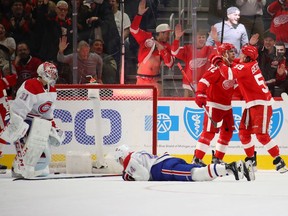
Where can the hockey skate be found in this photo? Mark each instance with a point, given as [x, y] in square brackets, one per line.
[253, 161]
[198, 161]
[3, 169]
[280, 165]
[216, 160]
[232, 168]
[248, 170]
[15, 174]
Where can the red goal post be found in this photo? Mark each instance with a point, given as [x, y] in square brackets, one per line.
[98, 118]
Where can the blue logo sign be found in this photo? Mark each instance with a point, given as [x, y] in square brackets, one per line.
[166, 123]
[193, 120]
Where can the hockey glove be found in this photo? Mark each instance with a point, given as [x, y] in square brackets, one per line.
[215, 59]
[127, 177]
[200, 99]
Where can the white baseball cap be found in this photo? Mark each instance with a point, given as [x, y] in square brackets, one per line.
[163, 28]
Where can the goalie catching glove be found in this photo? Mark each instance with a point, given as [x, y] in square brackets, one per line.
[201, 99]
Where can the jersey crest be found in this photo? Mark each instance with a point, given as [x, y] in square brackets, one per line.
[43, 108]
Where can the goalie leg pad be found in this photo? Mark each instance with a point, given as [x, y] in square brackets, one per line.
[36, 143]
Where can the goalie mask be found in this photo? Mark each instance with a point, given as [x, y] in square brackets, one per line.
[48, 72]
[121, 152]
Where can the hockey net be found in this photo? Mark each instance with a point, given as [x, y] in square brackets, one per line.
[98, 118]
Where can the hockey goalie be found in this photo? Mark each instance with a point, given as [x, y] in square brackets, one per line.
[31, 127]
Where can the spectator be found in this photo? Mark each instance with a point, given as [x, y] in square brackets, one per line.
[252, 16]
[54, 26]
[279, 24]
[185, 54]
[19, 22]
[280, 62]
[25, 64]
[118, 19]
[109, 69]
[233, 32]
[83, 13]
[152, 50]
[217, 10]
[89, 64]
[104, 27]
[8, 42]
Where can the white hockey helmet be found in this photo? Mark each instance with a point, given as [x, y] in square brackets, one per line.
[48, 72]
[121, 152]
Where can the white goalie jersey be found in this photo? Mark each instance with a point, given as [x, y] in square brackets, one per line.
[32, 100]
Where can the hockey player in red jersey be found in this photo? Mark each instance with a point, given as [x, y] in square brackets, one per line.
[214, 92]
[151, 50]
[6, 82]
[257, 114]
[143, 166]
[185, 53]
[33, 109]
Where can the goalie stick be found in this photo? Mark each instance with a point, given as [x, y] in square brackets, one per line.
[215, 124]
[66, 177]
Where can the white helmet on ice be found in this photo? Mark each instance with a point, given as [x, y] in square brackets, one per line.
[48, 72]
[121, 152]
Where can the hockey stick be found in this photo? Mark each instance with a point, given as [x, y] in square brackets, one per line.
[215, 124]
[66, 177]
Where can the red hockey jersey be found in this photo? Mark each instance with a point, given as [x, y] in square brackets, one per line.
[147, 44]
[185, 54]
[219, 90]
[251, 82]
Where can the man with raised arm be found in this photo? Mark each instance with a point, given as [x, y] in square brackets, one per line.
[199, 62]
[152, 50]
[31, 127]
[258, 112]
[143, 166]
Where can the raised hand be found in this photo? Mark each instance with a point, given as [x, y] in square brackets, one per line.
[142, 7]
[213, 33]
[63, 44]
[178, 31]
[254, 39]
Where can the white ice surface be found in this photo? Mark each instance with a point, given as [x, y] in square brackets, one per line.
[110, 196]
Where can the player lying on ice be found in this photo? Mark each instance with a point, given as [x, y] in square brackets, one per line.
[143, 166]
[31, 127]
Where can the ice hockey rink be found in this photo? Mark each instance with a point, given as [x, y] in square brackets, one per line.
[110, 196]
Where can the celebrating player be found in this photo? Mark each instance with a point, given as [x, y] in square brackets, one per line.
[5, 82]
[215, 93]
[151, 50]
[256, 117]
[143, 166]
[33, 109]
